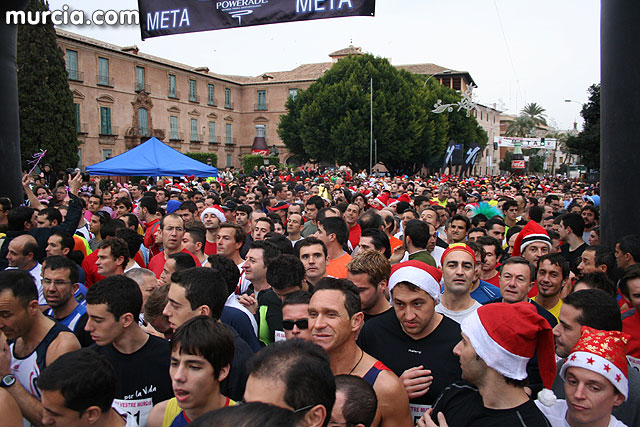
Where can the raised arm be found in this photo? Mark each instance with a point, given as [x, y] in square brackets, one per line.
[74, 213]
[33, 200]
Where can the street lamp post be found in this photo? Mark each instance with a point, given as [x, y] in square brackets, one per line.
[431, 75]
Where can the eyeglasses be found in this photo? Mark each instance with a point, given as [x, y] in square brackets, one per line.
[176, 229]
[300, 323]
[48, 282]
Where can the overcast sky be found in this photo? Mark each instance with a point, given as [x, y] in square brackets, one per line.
[545, 51]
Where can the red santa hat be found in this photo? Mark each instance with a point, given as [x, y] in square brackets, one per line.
[601, 352]
[382, 200]
[506, 336]
[532, 232]
[404, 198]
[419, 274]
[216, 210]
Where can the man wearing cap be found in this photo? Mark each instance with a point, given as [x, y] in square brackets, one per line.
[458, 270]
[281, 209]
[532, 242]
[212, 217]
[497, 341]
[413, 340]
[229, 208]
[595, 382]
[597, 310]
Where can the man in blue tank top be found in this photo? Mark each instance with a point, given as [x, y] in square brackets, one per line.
[33, 341]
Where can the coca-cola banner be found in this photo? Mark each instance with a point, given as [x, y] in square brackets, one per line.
[164, 17]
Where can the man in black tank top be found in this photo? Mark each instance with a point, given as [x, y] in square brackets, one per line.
[33, 341]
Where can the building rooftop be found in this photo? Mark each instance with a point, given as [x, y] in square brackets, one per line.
[304, 72]
[351, 50]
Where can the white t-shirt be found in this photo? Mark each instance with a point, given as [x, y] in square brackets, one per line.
[232, 301]
[458, 316]
[557, 414]
[36, 273]
[436, 253]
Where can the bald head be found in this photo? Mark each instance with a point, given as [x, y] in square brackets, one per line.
[22, 252]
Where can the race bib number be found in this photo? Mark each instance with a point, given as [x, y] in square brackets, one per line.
[280, 336]
[634, 362]
[417, 411]
[137, 411]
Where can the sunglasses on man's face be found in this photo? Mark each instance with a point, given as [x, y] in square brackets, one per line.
[300, 323]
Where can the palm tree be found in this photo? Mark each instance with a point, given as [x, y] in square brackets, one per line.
[522, 125]
[536, 113]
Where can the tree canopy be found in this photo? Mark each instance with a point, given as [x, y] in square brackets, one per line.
[524, 125]
[330, 121]
[587, 143]
[47, 111]
[536, 113]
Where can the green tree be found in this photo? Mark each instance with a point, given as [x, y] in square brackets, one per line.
[536, 159]
[521, 126]
[47, 111]
[536, 113]
[505, 163]
[587, 143]
[330, 120]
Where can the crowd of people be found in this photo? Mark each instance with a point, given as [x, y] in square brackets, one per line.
[315, 297]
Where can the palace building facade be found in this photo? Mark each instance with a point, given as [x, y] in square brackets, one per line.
[123, 97]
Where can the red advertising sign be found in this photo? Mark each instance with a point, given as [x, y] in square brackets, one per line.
[517, 164]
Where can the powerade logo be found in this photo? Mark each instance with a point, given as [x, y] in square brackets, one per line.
[238, 8]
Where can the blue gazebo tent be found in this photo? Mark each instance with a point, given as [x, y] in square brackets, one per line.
[152, 158]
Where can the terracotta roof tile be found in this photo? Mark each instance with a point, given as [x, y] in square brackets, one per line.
[351, 50]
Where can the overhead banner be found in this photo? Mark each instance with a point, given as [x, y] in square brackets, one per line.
[164, 17]
[507, 141]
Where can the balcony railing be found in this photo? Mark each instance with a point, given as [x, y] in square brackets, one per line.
[176, 136]
[141, 87]
[173, 94]
[196, 138]
[108, 130]
[260, 107]
[212, 102]
[105, 80]
[194, 98]
[229, 141]
[75, 75]
[228, 105]
[214, 140]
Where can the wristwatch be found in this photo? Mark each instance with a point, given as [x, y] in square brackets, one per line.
[7, 381]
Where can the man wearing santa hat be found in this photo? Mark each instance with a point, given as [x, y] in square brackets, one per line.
[595, 382]
[532, 242]
[414, 340]
[497, 342]
[212, 217]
